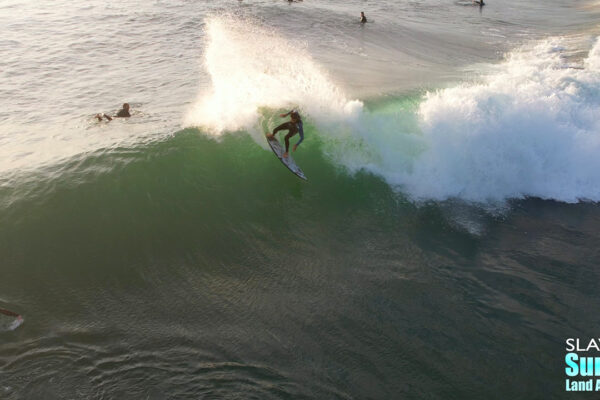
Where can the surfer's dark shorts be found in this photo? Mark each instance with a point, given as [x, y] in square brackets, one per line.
[289, 126]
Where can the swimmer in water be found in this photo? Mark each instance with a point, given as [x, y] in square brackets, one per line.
[363, 19]
[11, 314]
[123, 113]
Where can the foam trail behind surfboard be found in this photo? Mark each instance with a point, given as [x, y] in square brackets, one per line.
[16, 323]
[9, 323]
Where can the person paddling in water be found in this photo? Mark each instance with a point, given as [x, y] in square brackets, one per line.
[11, 314]
[123, 113]
[293, 126]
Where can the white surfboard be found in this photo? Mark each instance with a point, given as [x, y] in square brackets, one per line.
[9, 323]
[289, 161]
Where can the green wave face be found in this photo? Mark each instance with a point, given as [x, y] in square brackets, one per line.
[191, 194]
[188, 190]
[207, 254]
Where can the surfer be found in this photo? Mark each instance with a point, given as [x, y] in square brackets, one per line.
[10, 314]
[293, 126]
[123, 113]
[363, 19]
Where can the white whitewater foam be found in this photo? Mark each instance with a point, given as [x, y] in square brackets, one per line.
[252, 67]
[15, 324]
[532, 128]
[12, 324]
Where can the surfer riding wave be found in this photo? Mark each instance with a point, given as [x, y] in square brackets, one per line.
[16, 323]
[293, 127]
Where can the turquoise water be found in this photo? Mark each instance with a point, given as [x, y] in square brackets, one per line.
[444, 247]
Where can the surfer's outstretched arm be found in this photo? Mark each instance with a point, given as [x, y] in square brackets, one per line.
[301, 132]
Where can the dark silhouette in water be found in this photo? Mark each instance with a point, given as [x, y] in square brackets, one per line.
[10, 313]
[363, 19]
[293, 127]
[123, 113]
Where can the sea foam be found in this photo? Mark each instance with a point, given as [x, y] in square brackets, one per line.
[531, 128]
[251, 67]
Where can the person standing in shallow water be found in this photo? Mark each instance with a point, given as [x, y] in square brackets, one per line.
[123, 113]
[363, 19]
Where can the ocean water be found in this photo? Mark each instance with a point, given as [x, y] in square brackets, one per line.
[444, 247]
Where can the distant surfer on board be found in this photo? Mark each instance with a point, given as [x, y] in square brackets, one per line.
[123, 113]
[18, 320]
[10, 314]
[293, 126]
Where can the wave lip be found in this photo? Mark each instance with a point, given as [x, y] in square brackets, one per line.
[252, 67]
